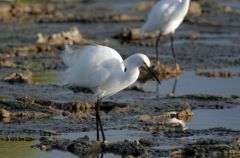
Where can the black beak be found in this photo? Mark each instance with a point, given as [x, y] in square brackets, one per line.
[153, 74]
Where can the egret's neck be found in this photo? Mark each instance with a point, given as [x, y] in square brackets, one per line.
[131, 74]
[185, 2]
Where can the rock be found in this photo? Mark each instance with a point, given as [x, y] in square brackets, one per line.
[19, 77]
[86, 147]
[43, 147]
[144, 118]
[125, 148]
[194, 35]
[163, 72]
[7, 64]
[67, 37]
[4, 114]
[145, 142]
[223, 74]
[185, 114]
[5, 8]
[195, 8]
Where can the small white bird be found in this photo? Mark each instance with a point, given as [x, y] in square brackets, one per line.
[165, 17]
[102, 70]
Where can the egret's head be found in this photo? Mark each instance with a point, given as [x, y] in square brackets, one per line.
[142, 60]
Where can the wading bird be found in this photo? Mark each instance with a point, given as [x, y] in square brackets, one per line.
[165, 17]
[102, 70]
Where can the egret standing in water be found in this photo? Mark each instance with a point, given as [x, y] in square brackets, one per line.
[165, 17]
[102, 70]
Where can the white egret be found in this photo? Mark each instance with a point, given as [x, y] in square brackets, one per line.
[165, 17]
[102, 70]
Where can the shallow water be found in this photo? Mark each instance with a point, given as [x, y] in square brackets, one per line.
[190, 83]
[210, 118]
[22, 149]
[46, 77]
[233, 4]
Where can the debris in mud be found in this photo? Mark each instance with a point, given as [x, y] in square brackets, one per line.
[209, 148]
[27, 139]
[73, 107]
[52, 43]
[72, 36]
[133, 34]
[7, 55]
[19, 77]
[194, 35]
[167, 121]
[44, 109]
[206, 97]
[18, 9]
[113, 18]
[4, 114]
[117, 110]
[185, 115]
[195, 9]
[41, 12]
[26, 11]
[213, 131]
[223, 74]
[7, 64]
[129, 34]
[84, 146]
[26, 108]
[164, 72]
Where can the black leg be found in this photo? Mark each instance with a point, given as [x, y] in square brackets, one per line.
[174, 85]
[157, 90]
[173, 51]
[97, 119]
[157, 42]
[100, 122]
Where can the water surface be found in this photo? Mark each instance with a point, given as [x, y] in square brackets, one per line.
[190, 83]
[211, 118]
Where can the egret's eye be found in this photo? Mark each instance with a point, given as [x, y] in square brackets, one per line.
[125, 69]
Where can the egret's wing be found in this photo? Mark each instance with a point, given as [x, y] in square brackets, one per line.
[89, 66]
[160, 14]
[72, 53]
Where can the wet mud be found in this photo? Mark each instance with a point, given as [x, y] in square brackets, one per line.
[36, 108]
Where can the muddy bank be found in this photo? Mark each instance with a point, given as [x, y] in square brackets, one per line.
[85, 147]
[34, 105]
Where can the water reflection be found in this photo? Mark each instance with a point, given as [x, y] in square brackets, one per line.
[23, 149]
[189, 83]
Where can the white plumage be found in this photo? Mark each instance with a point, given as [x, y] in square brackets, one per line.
[101, 69]
[166, 16]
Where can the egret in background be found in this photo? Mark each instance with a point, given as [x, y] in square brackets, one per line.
[165, 17]
[102, 70]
